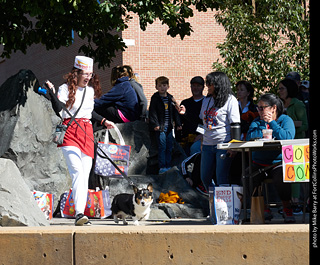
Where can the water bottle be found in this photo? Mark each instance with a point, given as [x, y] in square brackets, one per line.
[235, 131]
[42, 90]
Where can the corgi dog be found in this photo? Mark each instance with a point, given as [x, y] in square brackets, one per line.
[136, 205]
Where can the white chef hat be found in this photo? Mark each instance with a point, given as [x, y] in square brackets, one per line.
[83, 63]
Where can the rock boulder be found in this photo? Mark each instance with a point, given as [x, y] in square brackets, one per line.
[27, 122]
[144, 150]
[195, 204]
[18, 206]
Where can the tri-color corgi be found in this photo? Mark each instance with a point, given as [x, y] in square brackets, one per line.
[136, 205]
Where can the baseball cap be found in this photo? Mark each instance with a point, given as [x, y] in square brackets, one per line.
[198, 80]
[294, 76]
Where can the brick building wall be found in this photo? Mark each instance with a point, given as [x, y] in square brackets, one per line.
[51, 65]
[151, 53]
[155, 53]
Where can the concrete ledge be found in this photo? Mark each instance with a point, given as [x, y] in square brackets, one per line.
[156, 244]
[31, 245]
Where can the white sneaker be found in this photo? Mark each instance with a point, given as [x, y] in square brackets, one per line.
[81, 219]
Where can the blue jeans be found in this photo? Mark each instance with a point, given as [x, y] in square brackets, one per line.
[213, 167]
[165, 145]
[195, 147]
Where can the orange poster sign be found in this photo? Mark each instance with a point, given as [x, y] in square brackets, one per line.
[295, 163]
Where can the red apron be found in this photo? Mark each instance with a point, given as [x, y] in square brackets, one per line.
[75, 136]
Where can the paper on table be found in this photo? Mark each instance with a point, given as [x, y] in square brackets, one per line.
[236, 141]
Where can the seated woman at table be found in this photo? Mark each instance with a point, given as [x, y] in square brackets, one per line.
[271, 116]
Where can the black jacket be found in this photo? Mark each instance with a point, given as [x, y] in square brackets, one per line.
[157, 111]
[190, 119]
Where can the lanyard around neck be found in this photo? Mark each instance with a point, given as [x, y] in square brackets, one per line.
[208, 111]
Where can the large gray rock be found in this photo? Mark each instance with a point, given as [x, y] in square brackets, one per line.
[27, 122]
[195, 204]
[144, 150]
[18, 206]
[143, 170]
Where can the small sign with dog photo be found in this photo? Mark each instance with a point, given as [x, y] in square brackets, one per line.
[225, 204]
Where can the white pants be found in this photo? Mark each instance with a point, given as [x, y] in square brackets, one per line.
[79, 166]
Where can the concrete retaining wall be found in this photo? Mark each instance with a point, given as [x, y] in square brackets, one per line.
[157, 244]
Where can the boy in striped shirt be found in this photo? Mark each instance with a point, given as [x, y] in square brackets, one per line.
[163, 116]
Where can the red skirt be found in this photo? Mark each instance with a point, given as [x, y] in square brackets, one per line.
[75, 136]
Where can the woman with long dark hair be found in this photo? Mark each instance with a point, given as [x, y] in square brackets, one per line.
[219, 110]
[248, 111]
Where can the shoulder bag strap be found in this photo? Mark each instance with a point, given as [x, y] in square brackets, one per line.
[74, 116]
[121, 140]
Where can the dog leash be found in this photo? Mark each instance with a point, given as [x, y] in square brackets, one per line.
[104, 155]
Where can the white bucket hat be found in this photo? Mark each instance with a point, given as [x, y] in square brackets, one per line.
[83, 63]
